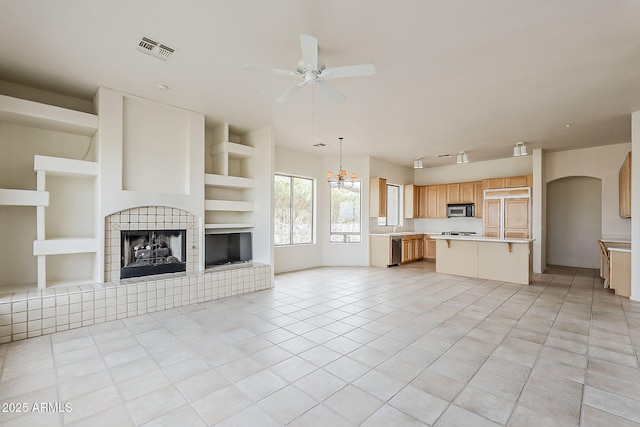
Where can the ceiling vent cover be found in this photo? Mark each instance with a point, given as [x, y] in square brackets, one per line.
[164, 52]
[147, 45]
[155, 49]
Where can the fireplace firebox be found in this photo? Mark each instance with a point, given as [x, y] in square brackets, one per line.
[148, 252]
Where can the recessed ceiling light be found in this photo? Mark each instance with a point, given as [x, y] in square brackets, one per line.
[568, 125]
[162, 86]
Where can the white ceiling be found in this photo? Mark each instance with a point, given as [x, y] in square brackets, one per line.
[451, 75]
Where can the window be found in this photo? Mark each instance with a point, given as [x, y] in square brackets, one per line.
[293, 210]
[345, 214]
[393, 206]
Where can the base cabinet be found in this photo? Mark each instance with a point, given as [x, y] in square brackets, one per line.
[412, 248]
[429, 248]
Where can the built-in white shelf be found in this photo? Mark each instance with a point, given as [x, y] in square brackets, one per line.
[10, 197]
[228, 205]
[29, 113]
[65, 246]
[228, 226]
[228, 181]
[65, 167]
[233, 150]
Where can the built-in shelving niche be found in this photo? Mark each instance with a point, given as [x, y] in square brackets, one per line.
[228, 181]
[47, 195]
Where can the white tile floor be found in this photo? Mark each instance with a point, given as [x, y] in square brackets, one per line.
[346, 346]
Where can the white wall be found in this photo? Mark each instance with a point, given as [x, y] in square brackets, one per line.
[597, 162]
[574, 221]
[298, 257]
[635, 207]
[474, 171]
[115, 171]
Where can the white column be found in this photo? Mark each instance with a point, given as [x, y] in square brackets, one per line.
[635, 207]
[539, 211]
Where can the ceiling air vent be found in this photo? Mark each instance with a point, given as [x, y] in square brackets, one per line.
[155, 49]
[164, 52]
[147, 45]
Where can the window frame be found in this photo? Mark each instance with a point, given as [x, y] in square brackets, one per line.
[291, 178]
[345, 234]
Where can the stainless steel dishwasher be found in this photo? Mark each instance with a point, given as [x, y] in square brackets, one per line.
[396, 250]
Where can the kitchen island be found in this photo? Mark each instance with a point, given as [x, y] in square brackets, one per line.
[505, 260]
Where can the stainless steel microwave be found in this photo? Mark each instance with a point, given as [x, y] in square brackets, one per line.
[460, 210]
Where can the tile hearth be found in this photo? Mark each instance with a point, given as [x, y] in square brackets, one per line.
[40, 312]
[349, 346]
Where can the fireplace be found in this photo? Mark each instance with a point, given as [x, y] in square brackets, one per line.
[148, 252]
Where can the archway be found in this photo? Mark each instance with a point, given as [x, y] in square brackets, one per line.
[574, 221]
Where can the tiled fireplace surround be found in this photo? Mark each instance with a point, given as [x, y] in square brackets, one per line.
[39, 312]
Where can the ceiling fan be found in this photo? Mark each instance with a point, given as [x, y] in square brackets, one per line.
[313, 71]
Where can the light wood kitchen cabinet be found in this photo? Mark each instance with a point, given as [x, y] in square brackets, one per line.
[491, 218]
[467, 192]
[624, 188]
[429, 248]
[460, 192]
[507, 213]
[479, 199]
[516, 181]
[441, 191]
[453, 193]
[516, 218]
[412, 247]
[411, 201]
[423, 211]
[492, 183]
[378, 197]
[432, 201]
[508, 182]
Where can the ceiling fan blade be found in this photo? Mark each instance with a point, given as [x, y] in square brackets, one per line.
[309, 45]
[291, 91]
[348, 71]
[272, 71]
[331, 92]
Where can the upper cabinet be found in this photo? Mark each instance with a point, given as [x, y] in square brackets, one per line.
[479, 199]
[508, 182]
[625, 187]
[430, 201]
[378, 197]
[462, 192]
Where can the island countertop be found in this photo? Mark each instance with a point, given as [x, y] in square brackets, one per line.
[478, 238]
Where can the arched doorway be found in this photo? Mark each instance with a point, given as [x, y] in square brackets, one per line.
[574, 221]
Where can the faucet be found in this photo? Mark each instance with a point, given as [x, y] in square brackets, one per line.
[395, 227]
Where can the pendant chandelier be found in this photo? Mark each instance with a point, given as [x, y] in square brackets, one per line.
[340, 180]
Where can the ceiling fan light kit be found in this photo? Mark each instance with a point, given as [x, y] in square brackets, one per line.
[313, 71]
